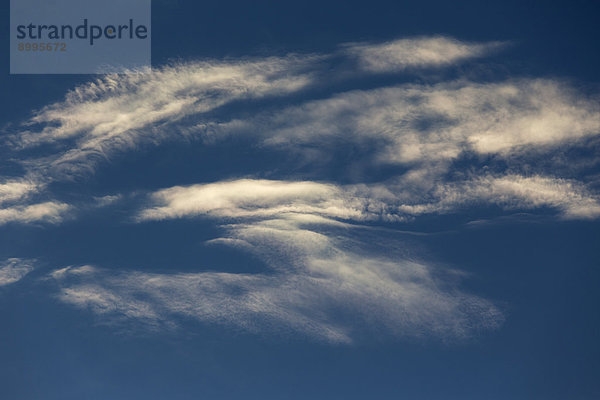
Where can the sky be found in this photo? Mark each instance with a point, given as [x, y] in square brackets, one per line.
[324, 200]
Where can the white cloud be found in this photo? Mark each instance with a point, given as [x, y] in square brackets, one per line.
[12, 190]
[423, 52]
[313, 201]
[512, 191]
[107, 200]
[424, 127]
[50, 212]
[122, 112]
[81, 270]
[14, 269]
[318, 288]
[416, 124]
[112, 106]
[324, 280]
[17, 205]
[14, 196]
[264, 198]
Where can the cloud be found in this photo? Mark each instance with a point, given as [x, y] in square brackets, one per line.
[328, 279]
[325, 281]
[570, 198]
[124, 112]
[262, 198]
[50, 212]
[330, 274]
[118, 104]
[14, 269]
[14, 196]
[249, 198]
[11, 190]
[107, 200]
[423, 52]
[426, 128]
[112, 106]
[322, 285]
[416, 124]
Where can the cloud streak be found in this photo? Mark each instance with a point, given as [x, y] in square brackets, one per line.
[123, 112]
[318, 288]
[249, 198]
[325, 282]
[262, 198]
[12, 190]
[450, 145]
[48, 212]
[411, 124]
[423, 52]
[13, 270]
[570, 198]
[424, 128]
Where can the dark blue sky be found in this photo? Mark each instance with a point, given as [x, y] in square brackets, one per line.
[427, 231]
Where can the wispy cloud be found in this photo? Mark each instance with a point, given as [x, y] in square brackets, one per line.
[423, 127]
[322, 272]
[107, 200]
[410, 124]
[572, 199]
[322, 286]
[122, 112]
[50, 212]
[248, 198]
[14, 269]
[452, 145]
[406, 124]
[119, 106]
[422, 52]
[263, 198]
[16, 204]
[12, 190]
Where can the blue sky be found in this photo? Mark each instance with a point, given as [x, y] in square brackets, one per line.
[305, 200]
